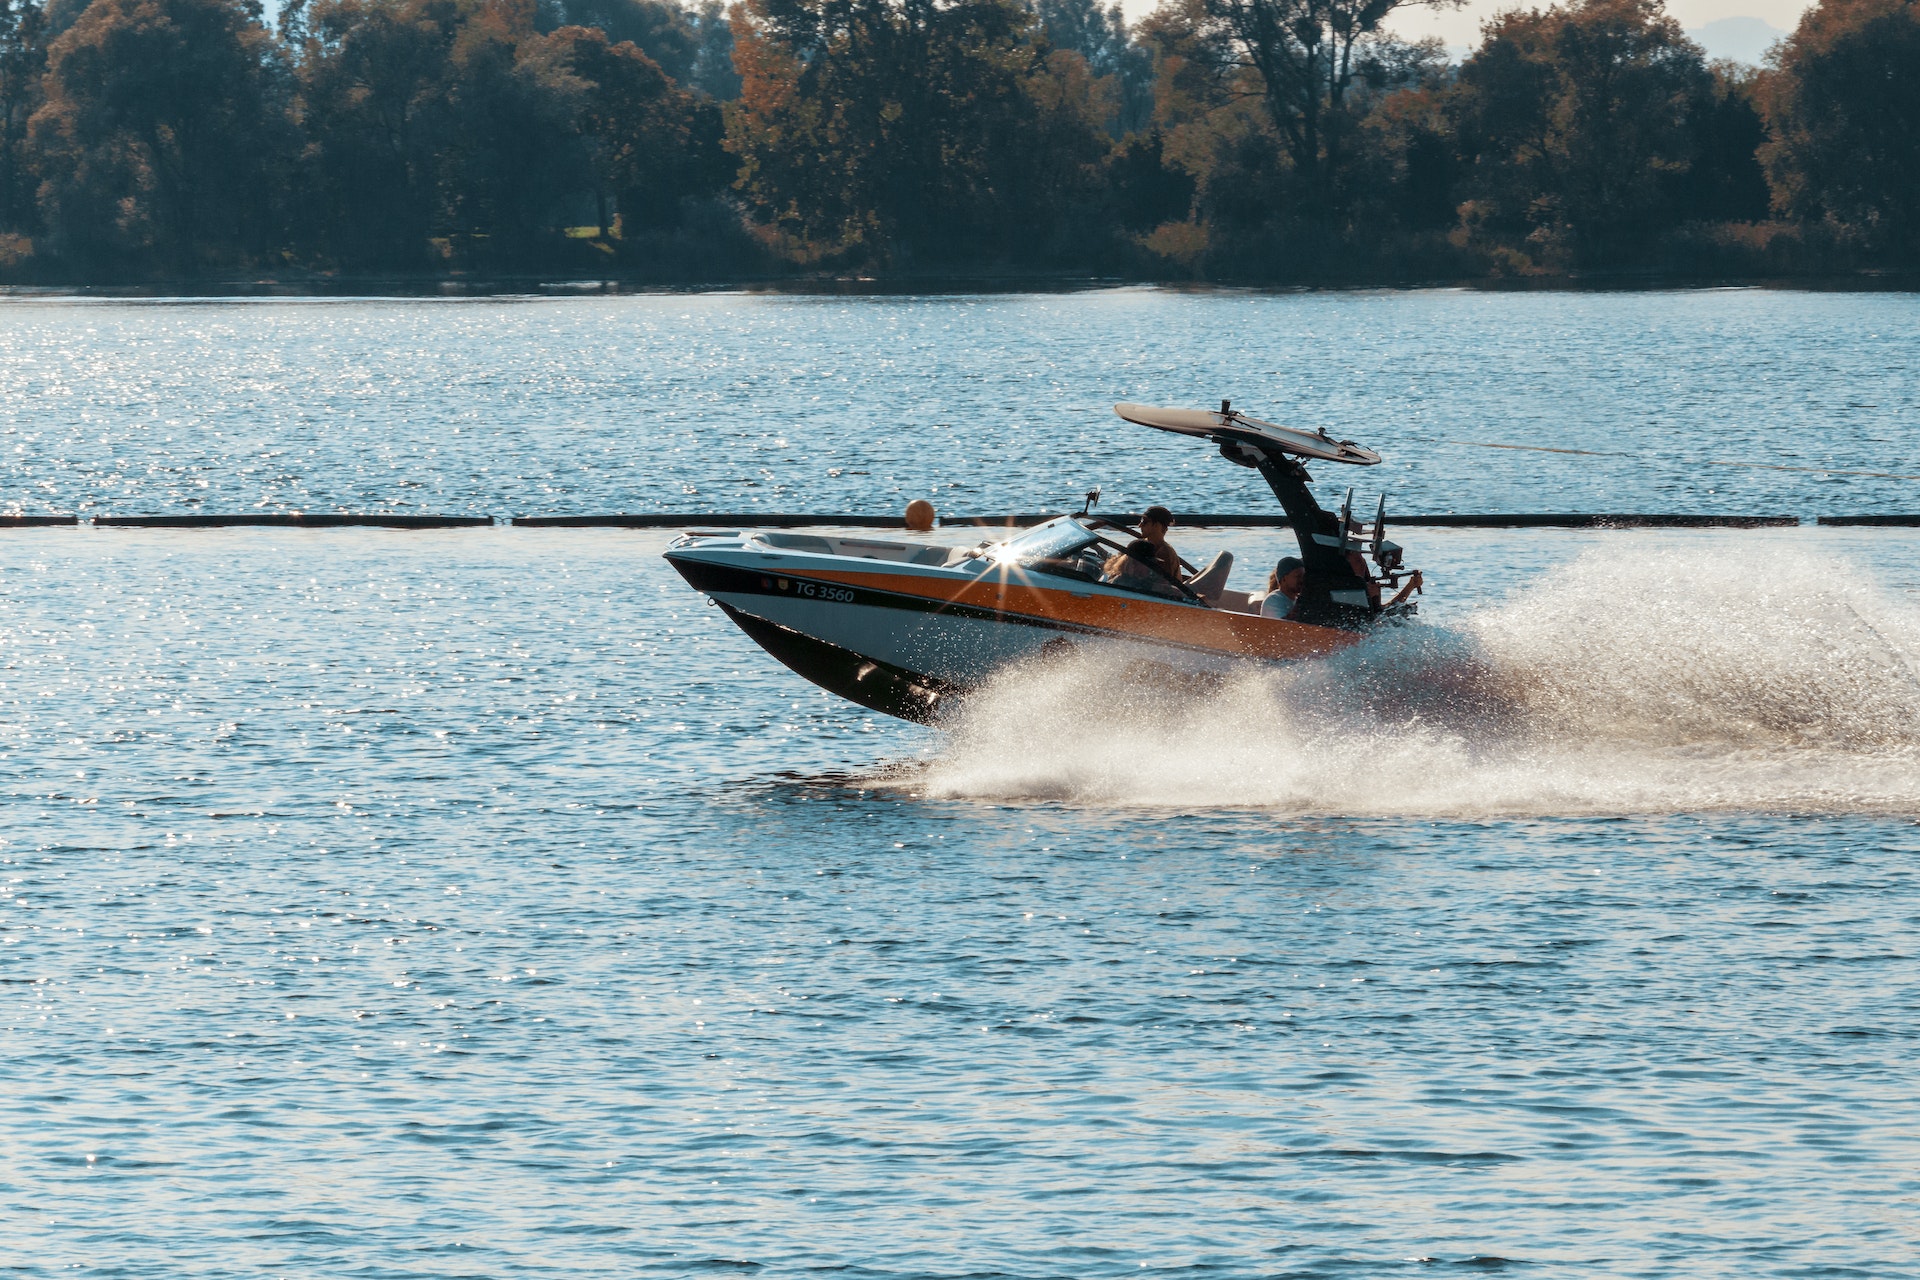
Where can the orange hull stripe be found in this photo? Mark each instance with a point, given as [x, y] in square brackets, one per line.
[1237, 634]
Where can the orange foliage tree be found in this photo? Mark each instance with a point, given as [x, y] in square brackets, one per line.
[163, 125]
[1843, 106]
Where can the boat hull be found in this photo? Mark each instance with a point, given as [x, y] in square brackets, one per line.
[875, 685]
[892, 651]
[906, 639]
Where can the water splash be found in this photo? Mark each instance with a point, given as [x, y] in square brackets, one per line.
[1669, 681]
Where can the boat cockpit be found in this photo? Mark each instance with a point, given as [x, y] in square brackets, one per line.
[1078, 548]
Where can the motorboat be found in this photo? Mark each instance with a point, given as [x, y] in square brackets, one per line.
[908, 627]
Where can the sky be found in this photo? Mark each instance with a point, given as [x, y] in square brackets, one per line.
[1460, 28]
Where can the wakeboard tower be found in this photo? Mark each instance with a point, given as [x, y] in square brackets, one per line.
[1340, 591]
[905, 627]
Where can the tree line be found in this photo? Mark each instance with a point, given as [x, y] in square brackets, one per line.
[1275, 140]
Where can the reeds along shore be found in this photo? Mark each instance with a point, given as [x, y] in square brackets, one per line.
[1230, 140]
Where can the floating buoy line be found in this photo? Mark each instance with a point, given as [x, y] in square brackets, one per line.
[844, 520]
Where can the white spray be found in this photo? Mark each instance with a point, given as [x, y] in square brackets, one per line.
[1655, 684]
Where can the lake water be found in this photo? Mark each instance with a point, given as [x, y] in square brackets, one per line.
[1677, 401]
[479, 903]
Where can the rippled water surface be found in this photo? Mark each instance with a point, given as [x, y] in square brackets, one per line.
[479, 903]
[1673, 401]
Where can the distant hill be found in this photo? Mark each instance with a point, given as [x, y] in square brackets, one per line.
[1742, 39]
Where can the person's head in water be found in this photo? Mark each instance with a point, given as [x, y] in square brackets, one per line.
[1289, 577]
[1154, 523]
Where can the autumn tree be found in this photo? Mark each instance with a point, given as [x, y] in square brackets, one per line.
[1575, 124]
[650, 143]
[1101, 37]
[1842, 101]
[662, 30]
[163, 125]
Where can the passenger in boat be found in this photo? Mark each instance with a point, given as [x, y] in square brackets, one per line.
[1207, 583]
[1284, 585]
[1289, 578]
[1154, 523]
[1137, 569]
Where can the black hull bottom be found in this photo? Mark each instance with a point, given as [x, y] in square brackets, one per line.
[876, 686]
[895, 691]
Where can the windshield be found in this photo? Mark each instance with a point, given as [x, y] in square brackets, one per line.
[1055, 538]
[1061, 547]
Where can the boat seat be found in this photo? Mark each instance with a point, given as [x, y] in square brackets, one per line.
[798, 542]
[1211, 581]
[1236, 601]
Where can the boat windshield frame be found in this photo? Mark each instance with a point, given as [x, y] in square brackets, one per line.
[1055, 538]
[1054, 548]
[1063, 554]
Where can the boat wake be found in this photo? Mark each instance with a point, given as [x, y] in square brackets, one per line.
[1662, 683]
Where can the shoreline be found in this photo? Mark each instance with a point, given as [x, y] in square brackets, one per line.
[547, 286]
